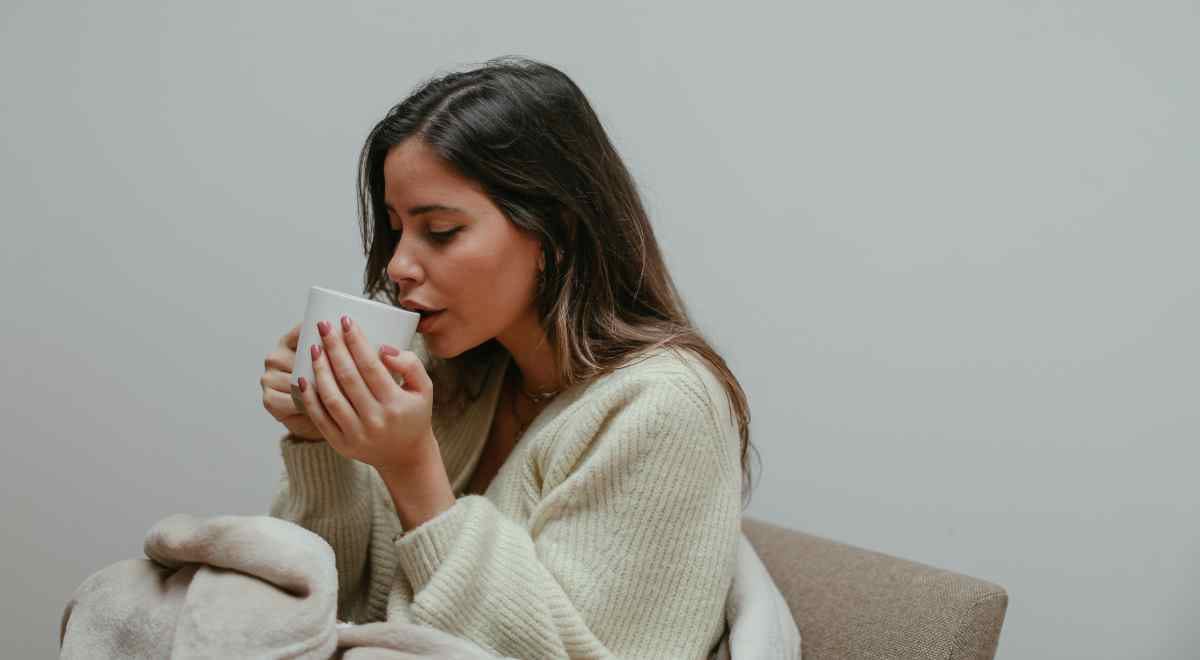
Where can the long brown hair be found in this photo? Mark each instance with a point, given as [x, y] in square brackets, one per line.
[528, 135]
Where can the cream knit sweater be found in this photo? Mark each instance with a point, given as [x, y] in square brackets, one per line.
[610, 530]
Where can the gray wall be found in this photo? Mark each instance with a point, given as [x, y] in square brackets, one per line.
[949, 248]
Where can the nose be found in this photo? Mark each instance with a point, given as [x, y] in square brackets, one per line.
[403, 266]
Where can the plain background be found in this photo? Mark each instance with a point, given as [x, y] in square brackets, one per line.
[949, 248]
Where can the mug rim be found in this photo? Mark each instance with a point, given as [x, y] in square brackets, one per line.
[358, 299]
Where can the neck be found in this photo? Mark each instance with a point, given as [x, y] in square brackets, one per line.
[531, 352]
[522, 407]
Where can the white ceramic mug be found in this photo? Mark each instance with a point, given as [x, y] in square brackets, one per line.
[379, 322]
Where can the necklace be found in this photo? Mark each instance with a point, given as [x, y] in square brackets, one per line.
[539, 396]
[536, 398]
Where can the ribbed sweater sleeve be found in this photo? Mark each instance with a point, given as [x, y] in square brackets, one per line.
[628, 551]
[345, 502]
[338, 498]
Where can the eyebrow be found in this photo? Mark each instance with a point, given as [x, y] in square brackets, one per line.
[427, 208]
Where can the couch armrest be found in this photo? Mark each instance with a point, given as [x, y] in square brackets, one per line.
[850, 602]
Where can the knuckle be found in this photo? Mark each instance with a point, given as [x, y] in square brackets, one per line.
[276, 361]
[336, 409]
[314, 409]
[315, 412]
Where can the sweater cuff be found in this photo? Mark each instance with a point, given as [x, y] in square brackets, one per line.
[421, 550]
[319, 478]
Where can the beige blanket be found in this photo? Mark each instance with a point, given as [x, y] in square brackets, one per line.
[261, 587]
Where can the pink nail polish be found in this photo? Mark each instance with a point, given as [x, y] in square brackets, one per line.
[316, 351]
[323, 327]
[345, 324]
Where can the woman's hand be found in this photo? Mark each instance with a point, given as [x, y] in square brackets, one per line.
[359, 407]
[279, 397]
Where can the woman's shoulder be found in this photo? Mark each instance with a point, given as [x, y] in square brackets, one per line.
[656, 405]
[673, 376]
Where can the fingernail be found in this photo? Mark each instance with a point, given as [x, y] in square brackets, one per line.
[345, 324]
[323, 327]
[303, 384]
[316, 351]
[389, 350]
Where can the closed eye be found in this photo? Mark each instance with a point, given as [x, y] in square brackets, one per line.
[443, 236]
[436, 236]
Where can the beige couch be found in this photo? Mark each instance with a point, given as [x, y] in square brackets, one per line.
[854, 603]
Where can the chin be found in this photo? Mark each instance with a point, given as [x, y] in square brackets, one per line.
[438, 349]
[431, 346]
[441, 349]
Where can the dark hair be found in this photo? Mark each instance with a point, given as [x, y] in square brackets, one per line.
[528, 135]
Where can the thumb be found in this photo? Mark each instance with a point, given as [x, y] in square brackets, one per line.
[408, 366]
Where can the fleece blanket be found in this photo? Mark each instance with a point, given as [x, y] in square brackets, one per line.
[233, 586]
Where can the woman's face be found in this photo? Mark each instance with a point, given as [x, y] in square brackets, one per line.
[483, 274]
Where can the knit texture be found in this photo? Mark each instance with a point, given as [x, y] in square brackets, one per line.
[610, 530]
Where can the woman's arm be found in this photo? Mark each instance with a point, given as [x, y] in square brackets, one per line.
[629, 551]
[345, 502]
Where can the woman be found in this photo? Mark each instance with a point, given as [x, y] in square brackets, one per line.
[572, 485]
